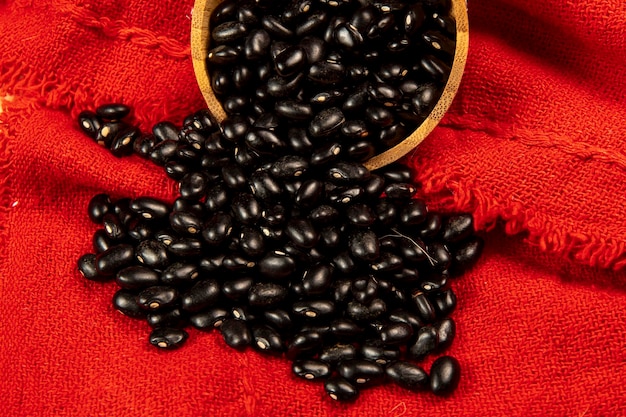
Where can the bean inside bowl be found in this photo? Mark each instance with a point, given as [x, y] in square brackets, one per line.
[372, 77]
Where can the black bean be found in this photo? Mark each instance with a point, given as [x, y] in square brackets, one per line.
[324, 215]
[193, 186]
[221, 82]
[157, 298]
[107, 133]
[274, 26]
[87, 267]
[444, 302]
[385, 94]
[89, 123]
[379, 116]
[317, 279]
[101, 241]
[440, 44]
[302, 233]
[180, 273]
[435, 68]
[344, 263]
[431, 225]
[426, 343]
[99, 205]
[237, 288]
[434, 284]
[311, 369]
[387, 262]
[346, 329]
[275, 215]
[152, 253]
[185, 223]
[396, 334]
[115, 258]
[392, 135]
[266, 294]
[446, 330]
[125, 302]
[135, 277]
[150, 208]
[348, 173]
[401, 191]
[439, 256]
[113, 227]
[290, 61]
[315, 309]
[444, 23]
[229, 32]
[466, 254]
[347, 37]
[305, 343]
[224, 11]
[267, 339]
[184, 247]
[296, 9]
[246, 14]
[289, 166]
[112, 112]
[378, 354]
[144, 145]
[312, 23]
[424, 307]
[364, 289]
[408, 376]
[277, 265]
[236, 333]
[326, 72]
[293, 109]
[168, 338]
[326, 153]
[360, 371]
[424, 99]
[245, 208]
[445, 374]
[235, 104]
[173, 317]
[163, 131]
[209, 319]
[314, 48]
[363, 245]
[216, 198]
[202, 295]
[339, 389]
[223, 54]
[257, 44]
[413, 213]
[360, 214]
[338, 353]
[243, 313]
[280, 87]
[298, 141]
[217, 229]
[279, 319]
[356, 102]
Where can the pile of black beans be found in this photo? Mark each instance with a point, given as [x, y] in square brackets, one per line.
[362, 74]
[336, 267]
[280, 237]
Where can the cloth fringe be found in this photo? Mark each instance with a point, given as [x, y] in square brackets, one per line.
[454, 193]
[55, 93]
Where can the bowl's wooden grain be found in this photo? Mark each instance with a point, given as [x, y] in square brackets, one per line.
[200, 33]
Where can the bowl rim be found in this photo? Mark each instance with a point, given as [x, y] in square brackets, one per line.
[200, 33]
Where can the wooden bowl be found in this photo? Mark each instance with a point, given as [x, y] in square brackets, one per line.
[200, 33]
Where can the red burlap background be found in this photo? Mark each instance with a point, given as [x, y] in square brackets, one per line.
[535, 138]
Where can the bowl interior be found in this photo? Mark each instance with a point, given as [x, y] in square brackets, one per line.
[200, 33]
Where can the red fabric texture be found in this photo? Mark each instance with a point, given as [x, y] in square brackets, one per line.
[533, 146]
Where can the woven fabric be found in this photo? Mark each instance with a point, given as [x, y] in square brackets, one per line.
[532, 146]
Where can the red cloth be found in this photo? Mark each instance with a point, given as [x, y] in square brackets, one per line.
[534, 139]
